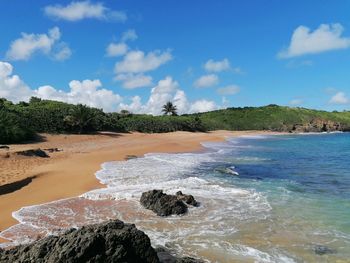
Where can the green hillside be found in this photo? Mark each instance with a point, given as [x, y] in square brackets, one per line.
[271, 117]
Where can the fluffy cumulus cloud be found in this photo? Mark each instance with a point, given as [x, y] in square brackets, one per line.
[11, 86]
[137, 61]
[132, 81]
[79, 10]
[91, 92]
[120, 48]
[339, 98]
[202, 106]
[87, 92]
[217, 66]
[167, 90]
[228, 90]
[324, 38]
[116, 49]
[206, 81]
[130, 70]
[48, 44]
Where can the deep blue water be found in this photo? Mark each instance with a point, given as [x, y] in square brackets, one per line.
[305, 178]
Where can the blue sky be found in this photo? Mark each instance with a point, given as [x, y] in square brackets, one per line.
[202, 55]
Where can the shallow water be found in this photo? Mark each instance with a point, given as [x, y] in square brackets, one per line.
[292, 194]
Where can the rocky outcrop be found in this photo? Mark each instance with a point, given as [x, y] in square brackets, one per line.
[164, 205]
[33, 153]
[188, 199]
[323, 250]
[316, 125]
[113, 241]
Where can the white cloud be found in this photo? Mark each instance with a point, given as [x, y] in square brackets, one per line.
[295, 102]
[129, 35]
[63, 52]
[134, 107]
[324, 38]
[116, 49]
[80, 10]
[206, 81]
[89, 92]
[5, 69]
[202, 106]
[23, 48]
[120, 49]
[138, 61]
[11, 86]
[339, 98]
[217, 66]
[132, 81]
[167, 90]
[228, 90]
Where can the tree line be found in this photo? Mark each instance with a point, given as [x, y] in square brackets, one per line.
[23, 121]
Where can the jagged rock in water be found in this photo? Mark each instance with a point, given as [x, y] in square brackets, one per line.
[322, 250]
[113, 241]
[188, 199]
[163, 204]
[34, 152]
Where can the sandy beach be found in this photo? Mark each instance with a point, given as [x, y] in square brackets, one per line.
[70, 172]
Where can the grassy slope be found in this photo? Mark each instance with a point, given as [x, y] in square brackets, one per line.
[270, 117]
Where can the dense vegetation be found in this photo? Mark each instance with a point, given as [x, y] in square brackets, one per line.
[271, 117]
[20, 122]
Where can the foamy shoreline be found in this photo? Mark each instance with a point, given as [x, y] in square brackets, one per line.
[82, 156]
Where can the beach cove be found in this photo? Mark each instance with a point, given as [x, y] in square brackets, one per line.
[255, 205]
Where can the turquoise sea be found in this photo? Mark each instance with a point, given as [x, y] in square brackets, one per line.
[282, 198]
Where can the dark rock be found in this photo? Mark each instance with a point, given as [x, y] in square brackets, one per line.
[162, 204]
[130, 156]
[112, 241]
[4, 147]
[322, 250]
[188, 199]
[34, 152]
[165, 257]
[189, 260]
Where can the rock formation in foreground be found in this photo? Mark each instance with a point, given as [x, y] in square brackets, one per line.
[112, 241]
[164, 205]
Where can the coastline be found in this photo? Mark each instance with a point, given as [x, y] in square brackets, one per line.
[72, 172]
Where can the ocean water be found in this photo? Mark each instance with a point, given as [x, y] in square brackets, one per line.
[263, 199]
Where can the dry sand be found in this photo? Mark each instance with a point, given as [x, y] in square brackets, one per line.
[71, 172]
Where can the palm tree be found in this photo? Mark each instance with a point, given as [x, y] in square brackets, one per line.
[169, 109]
[80, 117]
